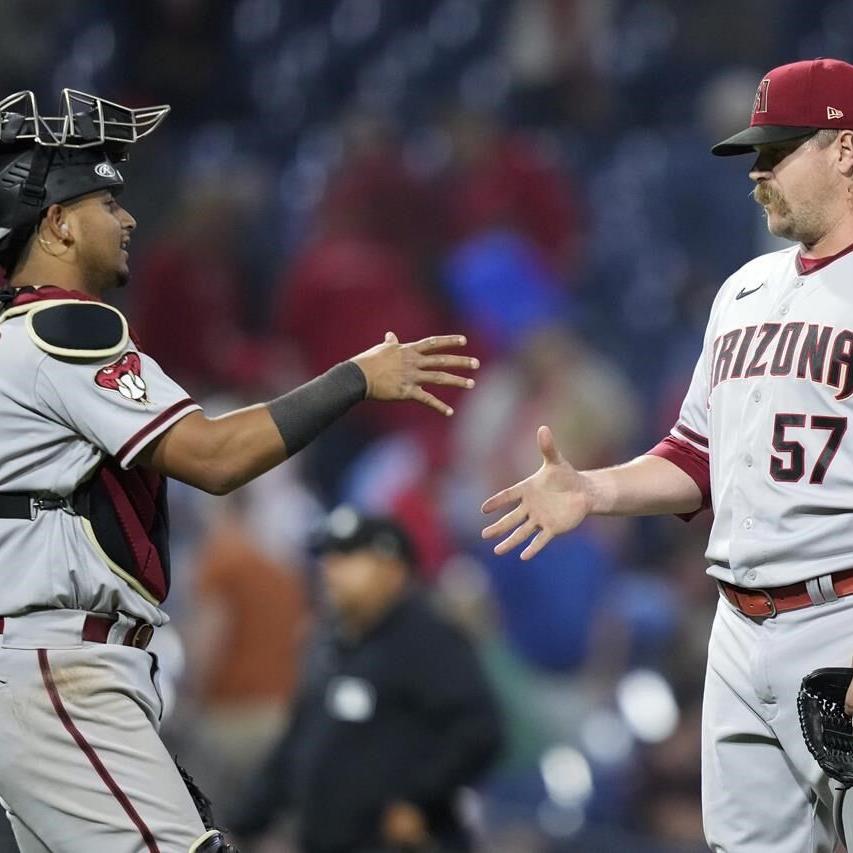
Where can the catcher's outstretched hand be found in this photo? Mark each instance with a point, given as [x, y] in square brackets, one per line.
[554, 500]
[396, 371]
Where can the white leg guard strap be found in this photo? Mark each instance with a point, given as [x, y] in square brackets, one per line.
[210, 841]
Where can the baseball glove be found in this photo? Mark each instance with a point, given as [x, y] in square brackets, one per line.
[827, 730]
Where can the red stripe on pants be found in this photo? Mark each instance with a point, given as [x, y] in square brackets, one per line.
[86, 747]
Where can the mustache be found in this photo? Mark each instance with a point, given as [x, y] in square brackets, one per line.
[765, 194]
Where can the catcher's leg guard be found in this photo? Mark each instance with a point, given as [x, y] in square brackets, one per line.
[213, 841]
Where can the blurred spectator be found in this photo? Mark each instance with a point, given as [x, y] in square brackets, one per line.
[362, 272]
[25, 51]
[502, 290]
[498, 180]
[549, 614]
[174, 46]
[189, 292]
[554, 50]
[374, 193]
[393, 716]
[244, 631]
[669, 806]
[346, 290]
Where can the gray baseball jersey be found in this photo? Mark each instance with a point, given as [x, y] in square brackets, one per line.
[763, 431]
[61, 418]
[767, 410]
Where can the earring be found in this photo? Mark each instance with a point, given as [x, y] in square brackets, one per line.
[46, 243]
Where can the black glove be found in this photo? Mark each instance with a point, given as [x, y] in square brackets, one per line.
[828, 731]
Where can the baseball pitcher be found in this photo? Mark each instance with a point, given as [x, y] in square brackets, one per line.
[763, 440]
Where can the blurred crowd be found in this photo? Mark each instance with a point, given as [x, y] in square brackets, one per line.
[532, 173]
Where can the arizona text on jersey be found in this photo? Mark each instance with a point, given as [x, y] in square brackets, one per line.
[767, 411]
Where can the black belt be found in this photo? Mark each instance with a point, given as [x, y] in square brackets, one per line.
[26, 505]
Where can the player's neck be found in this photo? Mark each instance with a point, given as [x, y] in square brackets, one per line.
[65, 276]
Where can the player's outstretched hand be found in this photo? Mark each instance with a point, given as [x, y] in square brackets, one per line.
[396, 371]
[554, 500]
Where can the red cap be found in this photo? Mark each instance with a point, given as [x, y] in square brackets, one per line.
[796, 100]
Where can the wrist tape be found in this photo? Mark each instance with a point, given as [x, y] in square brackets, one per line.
[303, 413]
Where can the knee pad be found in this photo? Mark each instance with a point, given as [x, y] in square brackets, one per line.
[213, 841]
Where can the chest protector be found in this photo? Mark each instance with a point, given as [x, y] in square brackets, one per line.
[124, 512]
[127, 519]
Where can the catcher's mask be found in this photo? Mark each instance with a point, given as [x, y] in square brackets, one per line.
[47, 160]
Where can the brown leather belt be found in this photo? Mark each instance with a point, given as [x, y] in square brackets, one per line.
[763, 603]
[96, 629]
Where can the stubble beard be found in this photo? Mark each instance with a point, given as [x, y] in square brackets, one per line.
[111, 279]
[802, 226]
[122, 277]
[105, 278]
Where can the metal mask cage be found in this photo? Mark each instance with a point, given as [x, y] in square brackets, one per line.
[84, 121]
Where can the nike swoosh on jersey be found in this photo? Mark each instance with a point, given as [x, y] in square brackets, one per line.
[745, 292]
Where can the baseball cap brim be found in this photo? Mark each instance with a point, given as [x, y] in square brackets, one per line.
[760, 134]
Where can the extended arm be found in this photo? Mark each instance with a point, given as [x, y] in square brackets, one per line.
[647, 485]
[220, 454]
[557, 498]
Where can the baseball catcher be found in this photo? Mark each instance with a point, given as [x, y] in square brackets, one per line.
[92, 428]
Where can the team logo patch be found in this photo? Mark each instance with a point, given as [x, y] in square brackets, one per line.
[106, 170]
[124, 376]
[760, 105]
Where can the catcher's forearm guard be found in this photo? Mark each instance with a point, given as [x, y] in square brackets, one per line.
[827, 730]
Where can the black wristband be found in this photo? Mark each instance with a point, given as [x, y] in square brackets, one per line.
[303, 413]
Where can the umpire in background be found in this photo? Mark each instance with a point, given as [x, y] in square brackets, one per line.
[393, 716]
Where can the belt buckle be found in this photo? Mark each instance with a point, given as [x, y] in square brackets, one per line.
[140, 636]
[42, 503]
[770, 601]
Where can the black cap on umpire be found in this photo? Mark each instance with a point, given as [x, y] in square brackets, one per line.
[346, 530]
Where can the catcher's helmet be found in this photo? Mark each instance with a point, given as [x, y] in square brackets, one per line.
[47, 160]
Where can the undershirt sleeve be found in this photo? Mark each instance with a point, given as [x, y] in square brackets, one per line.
[692, 461]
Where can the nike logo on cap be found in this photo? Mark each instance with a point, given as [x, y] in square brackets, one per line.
[745, 292]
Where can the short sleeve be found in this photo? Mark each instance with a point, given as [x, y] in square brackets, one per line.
[687, 445]
[692, 423]
[119, 405]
